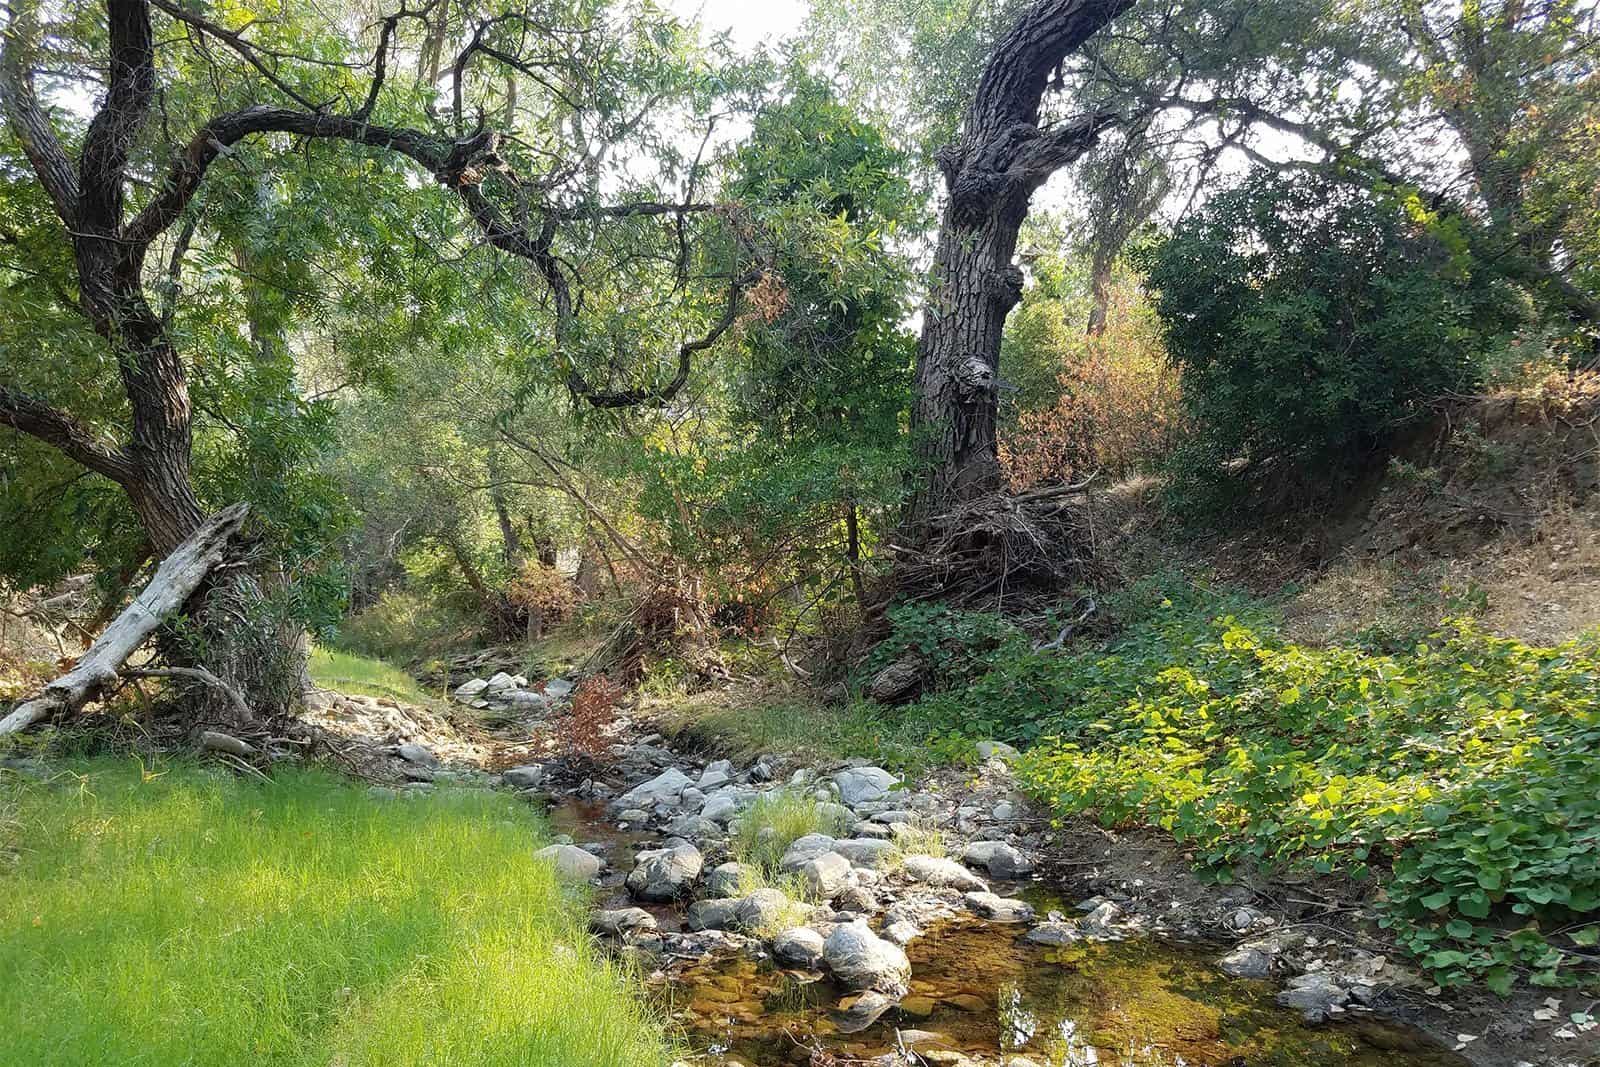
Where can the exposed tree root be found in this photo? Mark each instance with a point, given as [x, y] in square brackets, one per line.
[1003, 551]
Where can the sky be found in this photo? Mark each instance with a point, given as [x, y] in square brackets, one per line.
[748, 21]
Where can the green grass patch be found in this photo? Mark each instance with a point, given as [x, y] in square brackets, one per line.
[185, 916]
[348, 672]
[771, 824]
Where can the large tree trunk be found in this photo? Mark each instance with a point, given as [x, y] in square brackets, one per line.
[990, 175]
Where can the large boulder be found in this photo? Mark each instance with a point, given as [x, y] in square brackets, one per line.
[941, 872]
[860, 959]
[898, 681]
[571, 862]
[664, 788]
[665, 873]
[724, 879]
[803, 850]
[1000, 859]
[826, 875]
[864, 785]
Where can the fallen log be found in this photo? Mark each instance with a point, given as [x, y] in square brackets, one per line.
[175, 581]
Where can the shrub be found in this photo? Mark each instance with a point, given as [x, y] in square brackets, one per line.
[1117, 408]
[1312, 320]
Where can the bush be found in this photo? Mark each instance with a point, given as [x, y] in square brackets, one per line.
[1118, 404]
[1465, 772]
[1312, 320]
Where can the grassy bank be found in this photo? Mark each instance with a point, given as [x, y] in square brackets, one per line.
[178, 915]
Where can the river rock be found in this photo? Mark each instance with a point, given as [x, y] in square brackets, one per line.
[800, 946]
[999, 909]
[469, 689]
[865, 851]
[557, 688]
[724, 879]
[1246, 961]
[1101, 922]
[1004, 811]
[858, 899]
[1000, 859]
[988, 750]
[618, 922]
[692, 798]
[902, 931]
[804, 849]
[938, 871]
[860, 959]
[895, 817]
[1315, 995]
[665, 873]
[713, 779]
[1053, 933]
[720, 808]
[634, 816]
[412, 752]
[898, 681]
[526, 777]
[862, 785]
[875, 830]
[713, 914]
[499, 684]
[825, 875]
[762, 909]
[861, 1012]
[665, 788]
[571, 862]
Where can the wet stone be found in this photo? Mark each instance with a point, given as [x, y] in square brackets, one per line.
[798, 947]
[1000, 859]
[937, 871]
[858, 1013]
[999, 909]
[617, 922]
[860, 959]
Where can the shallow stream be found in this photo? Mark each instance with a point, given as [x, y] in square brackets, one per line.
[978, 989]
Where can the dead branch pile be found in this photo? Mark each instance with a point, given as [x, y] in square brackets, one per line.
[669, 621]
[1004, 550]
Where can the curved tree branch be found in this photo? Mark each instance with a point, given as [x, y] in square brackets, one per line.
[30, 415]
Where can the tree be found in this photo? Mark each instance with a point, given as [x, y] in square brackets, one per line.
[1004, 155]
[534, 192]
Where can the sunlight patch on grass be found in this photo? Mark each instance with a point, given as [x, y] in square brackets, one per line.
[194, 918]
[347, 672]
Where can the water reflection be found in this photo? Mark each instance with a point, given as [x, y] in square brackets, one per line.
[975, 988]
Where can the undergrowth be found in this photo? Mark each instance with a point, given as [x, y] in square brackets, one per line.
[1462, 771]
[178, 915]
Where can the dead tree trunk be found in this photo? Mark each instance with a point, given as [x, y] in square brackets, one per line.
[990, 174]
[175, 581]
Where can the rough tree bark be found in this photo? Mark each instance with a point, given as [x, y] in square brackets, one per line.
[175, 581]
[1004, 154]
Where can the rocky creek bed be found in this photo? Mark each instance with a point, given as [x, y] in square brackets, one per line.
[862, 947]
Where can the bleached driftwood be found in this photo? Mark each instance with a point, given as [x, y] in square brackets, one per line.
[175, 581]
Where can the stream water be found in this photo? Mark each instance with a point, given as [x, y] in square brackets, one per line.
[980, 990]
